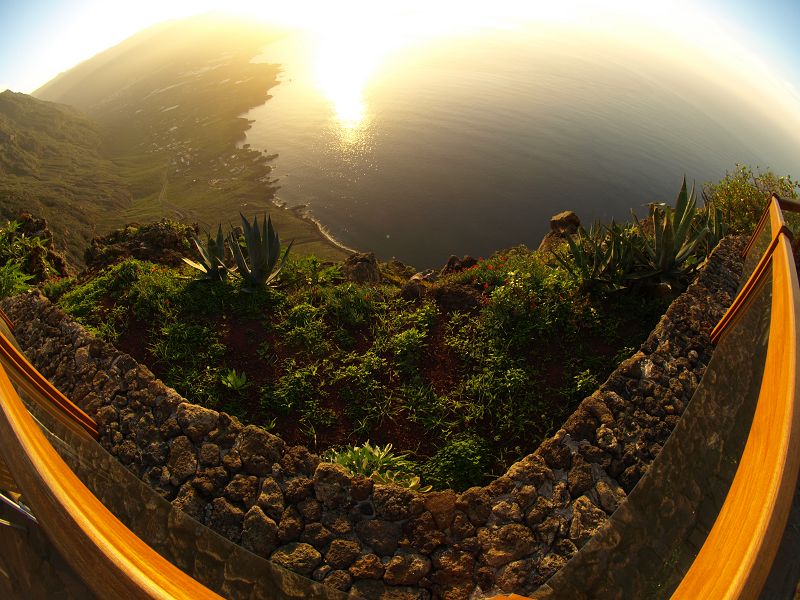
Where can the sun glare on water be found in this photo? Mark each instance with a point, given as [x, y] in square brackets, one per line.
[354, 38]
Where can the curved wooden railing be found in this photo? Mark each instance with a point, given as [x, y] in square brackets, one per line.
[733, 562]
[746, 532]
[737, 556]
[110, 559]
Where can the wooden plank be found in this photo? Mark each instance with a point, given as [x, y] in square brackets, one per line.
[736, 558]
[112, 561]
[45, 394]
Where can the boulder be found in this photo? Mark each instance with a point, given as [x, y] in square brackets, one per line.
[298, 557]
[259, 533]
[361, 268]
[258, 450]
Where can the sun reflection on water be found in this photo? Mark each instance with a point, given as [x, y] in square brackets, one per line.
[343, 66]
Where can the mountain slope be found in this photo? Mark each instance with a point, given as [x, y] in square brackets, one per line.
[50, 165]
[169, 101]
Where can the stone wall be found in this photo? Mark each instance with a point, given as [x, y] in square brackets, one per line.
[281, 502]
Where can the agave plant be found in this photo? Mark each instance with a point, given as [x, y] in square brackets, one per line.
[212, 257]
[716, 226]
[670, 255]
[263, 252]
[603, 257]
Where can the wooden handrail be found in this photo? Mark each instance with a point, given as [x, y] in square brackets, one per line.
[8, 322]
[744, 296]
[113, 562]
[737, 555]
[45, 394]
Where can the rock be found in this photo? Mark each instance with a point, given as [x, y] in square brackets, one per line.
[539, 511]
[259, 450]
[442, 506]
[332, 485]
[242, 488]
[209, 455]
[298, 488]
[512, 577]
[562, 225]
[566, 222]
[452, 566]
[455, 296]
[310, 509]
[338, 523]
[270, 498]
[369, 566]
[226, 519]
[381, 536]
[164, 242]
[190, 502]
[342, 553]
[532, 470]
[196, 421]
[259, 533]
[549, 529]
[549, 566]
[424, 533]
[393, 502]
[317, 535]
[290, 526]
[586, 520]
[376, 590]
[297, 460]
[455, 264]
[406, 569]
[477, 504]
[580, 478]
[182, 462]
[502, 545]
[556, 453]
[339, 580]
[211, 481]
[461, 528]
[506, 511]
[413, 290]
[298, 557]
[609, 496]
[361, 488]
[581, 424]
[361, 268]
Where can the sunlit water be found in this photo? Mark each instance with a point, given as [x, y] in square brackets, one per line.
[470, 146]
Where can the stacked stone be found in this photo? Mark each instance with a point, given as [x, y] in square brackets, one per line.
[382, 541]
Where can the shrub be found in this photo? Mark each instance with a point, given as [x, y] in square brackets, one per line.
[742, 195]
[462, 463]
[13, 280]
[381, 464]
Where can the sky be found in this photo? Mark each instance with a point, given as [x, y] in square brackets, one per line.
[40, 38]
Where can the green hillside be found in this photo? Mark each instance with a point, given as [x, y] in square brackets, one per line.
[51, 165]
[169, 101]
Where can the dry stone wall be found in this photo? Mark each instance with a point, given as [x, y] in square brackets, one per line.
[382, 541]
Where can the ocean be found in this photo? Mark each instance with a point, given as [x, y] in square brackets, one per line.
[469, 144]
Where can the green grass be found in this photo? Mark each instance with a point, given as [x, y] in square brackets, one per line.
[330, 363]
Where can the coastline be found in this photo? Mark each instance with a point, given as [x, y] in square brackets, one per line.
[303, 212]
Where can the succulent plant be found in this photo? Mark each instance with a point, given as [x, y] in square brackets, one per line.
[380, 464]
[263, 253]
[212, 257]
[670, 255]
[602, 257]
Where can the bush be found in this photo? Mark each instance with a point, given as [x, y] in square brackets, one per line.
[742, 195]
[12, 279]
[462, 463]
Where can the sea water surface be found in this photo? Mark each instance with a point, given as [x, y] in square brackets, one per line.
[470, 144]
